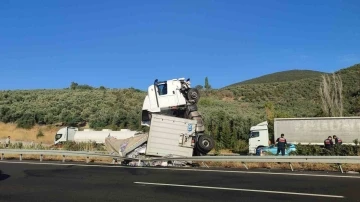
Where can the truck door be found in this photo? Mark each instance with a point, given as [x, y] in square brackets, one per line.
[153, 98]
[167, 95]
[254, 141]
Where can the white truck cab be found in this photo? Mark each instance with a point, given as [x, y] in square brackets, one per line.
[65, 134]
[162, 97]
[258, 137]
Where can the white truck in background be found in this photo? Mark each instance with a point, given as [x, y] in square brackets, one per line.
[67, 134]
[305, 131]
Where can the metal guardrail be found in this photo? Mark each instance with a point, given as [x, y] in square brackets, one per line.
[243, 159]
[269, 159]
[62, 153]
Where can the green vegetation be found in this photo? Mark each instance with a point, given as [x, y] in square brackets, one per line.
[74, 107]
[83, 146]
[291, 75]
[40, 134]
[228, 113]
[337, 150]
[20, 145]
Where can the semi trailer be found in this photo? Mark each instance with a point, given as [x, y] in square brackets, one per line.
[167, 136]
[305, 131]
[67, 134]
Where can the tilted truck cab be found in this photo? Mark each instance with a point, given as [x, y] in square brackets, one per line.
[176, 98]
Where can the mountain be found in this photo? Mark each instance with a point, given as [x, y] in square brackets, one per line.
[290, 75]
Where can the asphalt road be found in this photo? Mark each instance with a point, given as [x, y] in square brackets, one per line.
[53, 182]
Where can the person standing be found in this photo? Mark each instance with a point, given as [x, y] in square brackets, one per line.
[281, 143]
[338, 141]
[7, 141]
[328, 143]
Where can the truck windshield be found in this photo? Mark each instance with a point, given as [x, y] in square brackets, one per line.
[254, 134]
[58, 136]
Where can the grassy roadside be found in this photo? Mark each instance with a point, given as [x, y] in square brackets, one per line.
[285, 166]
[37, 134]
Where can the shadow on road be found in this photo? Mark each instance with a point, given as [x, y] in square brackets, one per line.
[3, 176]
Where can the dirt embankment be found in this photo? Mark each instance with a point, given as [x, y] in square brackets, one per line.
[38, 134]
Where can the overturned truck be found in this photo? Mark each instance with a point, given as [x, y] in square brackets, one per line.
[176, 126]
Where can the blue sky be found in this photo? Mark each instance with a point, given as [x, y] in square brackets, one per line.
[119, 44]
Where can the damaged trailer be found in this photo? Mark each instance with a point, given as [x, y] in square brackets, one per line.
[168, 136]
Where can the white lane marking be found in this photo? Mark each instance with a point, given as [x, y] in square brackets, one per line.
[186, 169]
[237, 189]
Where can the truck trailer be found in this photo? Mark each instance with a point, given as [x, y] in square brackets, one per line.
[305, 131]
[67, 134]
[168, 135]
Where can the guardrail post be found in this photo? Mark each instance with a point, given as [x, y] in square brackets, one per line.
[20, 157]
[2, 156]
[292, 169]
[205, 164]
[41, 157]
[63, 160]
[342, 171]
[244, 164]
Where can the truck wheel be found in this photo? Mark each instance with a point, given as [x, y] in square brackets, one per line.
[193, 94]
[205, 143]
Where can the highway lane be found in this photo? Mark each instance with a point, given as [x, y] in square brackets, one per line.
[54, 182]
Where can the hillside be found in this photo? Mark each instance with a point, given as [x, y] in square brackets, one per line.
[291, 75]
[229, 113]
[299, 97]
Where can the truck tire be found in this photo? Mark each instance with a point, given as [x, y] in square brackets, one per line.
[205, 143]
[193, 94]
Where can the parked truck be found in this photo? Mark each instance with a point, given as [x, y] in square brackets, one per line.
[305, 131]
[66, 134]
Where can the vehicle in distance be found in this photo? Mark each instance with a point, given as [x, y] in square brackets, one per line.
[305, 131]
[272, 150]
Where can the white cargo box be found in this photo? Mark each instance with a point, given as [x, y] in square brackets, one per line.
[171, 136]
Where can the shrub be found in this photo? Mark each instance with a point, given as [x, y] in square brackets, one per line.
[82, 146]
[40, 134]
[316, 150]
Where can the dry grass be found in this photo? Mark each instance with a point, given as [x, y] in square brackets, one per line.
[18, 134]
[229, 99]
[222, 152]
[286, 166]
